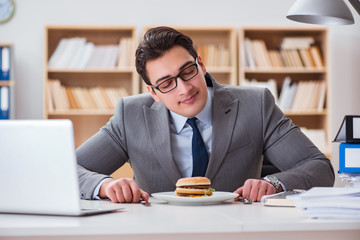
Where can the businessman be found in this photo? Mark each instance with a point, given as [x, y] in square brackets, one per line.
[190, 125]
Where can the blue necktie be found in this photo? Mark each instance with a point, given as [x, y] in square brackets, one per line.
[199, 152]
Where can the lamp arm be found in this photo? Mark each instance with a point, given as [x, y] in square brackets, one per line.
[356, 5]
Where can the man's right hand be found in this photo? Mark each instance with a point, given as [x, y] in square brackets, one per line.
[123, 190]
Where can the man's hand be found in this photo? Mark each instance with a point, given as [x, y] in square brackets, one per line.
[255, 189]
[123, 190]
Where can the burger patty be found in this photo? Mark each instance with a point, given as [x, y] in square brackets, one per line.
[196, 187]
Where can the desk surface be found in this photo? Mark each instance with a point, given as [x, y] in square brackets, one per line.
[229, 220]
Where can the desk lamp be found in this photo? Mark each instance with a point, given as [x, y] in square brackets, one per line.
[326, 12]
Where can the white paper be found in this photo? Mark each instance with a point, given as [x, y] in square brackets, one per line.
[4, 94]
[352, 157]
[356, 127]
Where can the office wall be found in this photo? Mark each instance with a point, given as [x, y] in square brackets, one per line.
[26, 31]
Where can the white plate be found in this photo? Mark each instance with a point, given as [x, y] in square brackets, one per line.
[217, 198]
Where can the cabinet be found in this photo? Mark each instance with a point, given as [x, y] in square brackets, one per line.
[303, 63]
[67, 83]
[217, 48]
[7, 82]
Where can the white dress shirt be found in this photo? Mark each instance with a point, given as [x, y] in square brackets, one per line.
[181, 136]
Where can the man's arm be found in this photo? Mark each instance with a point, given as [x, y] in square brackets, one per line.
[102, 154]
[301, 163]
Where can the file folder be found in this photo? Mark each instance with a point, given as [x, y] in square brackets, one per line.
[349, 158]
[349, 131]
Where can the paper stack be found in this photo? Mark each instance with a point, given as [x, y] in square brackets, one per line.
[327, 202]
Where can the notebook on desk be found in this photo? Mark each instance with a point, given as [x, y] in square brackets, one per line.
[38, 170]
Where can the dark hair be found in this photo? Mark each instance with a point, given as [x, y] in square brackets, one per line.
[154, 45]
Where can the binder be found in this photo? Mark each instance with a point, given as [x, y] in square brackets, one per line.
[349, 158]
[4, 102]
[349, 130]
[5, 64]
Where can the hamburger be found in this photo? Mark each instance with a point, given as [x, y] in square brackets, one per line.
[194, 187]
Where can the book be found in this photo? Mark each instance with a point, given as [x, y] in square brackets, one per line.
[297, 42]
[316, 56]
[5, 64]
[4, 102]
[349, 130]
[280, 199]
[306, 58]
[285, 90]
[322, 96]
[249, 54]
[59, 51]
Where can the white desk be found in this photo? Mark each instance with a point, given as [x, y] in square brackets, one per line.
[163, 221]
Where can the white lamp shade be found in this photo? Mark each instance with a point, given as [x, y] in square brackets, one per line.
[327, 12]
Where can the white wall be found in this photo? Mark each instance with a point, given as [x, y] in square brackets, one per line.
[26, 31]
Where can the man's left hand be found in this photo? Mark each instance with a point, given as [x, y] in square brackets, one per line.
[254, 189]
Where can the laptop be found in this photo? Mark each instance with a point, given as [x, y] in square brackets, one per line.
[38, 170]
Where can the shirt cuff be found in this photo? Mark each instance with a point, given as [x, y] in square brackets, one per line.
[97, 189]
[283, 186]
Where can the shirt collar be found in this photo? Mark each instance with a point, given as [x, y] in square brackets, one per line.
[204, 116]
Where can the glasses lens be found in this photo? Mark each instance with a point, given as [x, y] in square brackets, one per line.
[167, 85]
[189, 72]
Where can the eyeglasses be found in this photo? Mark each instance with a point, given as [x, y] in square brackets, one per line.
[171, 83]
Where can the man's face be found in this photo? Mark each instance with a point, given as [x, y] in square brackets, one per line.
[188, 98]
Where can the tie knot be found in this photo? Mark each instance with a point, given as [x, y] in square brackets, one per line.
[192, 122]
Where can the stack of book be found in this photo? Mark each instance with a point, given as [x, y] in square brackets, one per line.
[214, 55]
[301, 96]
[76, 53]
[86, 98]
[294, 52]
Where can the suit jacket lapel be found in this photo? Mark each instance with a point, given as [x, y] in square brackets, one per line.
[158, 130]
[224, 117]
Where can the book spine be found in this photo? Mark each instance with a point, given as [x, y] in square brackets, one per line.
[4, 102]
[5, 64]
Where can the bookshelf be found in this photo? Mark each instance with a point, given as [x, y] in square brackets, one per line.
[62, 74]
[213, 41]
[70, 75]
[281, 57]
[7, 82]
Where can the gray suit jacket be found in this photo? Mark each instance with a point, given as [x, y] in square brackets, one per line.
[247, 126]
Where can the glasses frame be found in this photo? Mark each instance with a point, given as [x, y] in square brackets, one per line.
[178, 76]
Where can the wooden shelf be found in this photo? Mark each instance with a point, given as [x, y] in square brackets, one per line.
[98, 70]
[9, 83]
[80, 112]
[306, 113]
[272, 38]
[285, 70]
[88, 121]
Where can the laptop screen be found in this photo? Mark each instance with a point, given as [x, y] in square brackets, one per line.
[38, 167]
